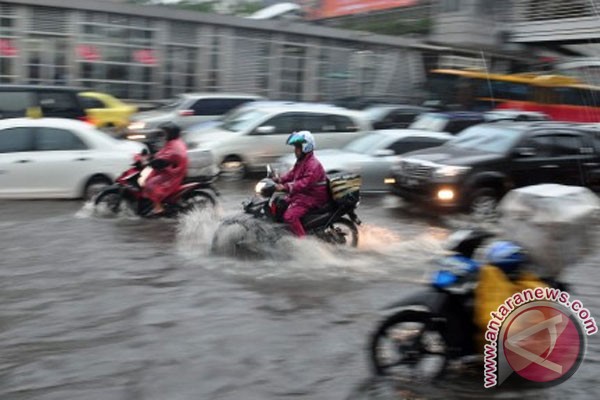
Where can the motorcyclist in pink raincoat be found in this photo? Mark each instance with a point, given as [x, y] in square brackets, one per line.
[169, 168]
[305, 183]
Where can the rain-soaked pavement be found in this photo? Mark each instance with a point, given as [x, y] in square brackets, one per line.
[130, 309]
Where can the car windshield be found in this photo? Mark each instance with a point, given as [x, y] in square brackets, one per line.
[172, 104]
[430, 122]
[491, 139]
[376, 113]
[238, 122]
[366, 144]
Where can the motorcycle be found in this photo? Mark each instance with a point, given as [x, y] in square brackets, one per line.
[432, 330]
[335, 223]
[127, 189]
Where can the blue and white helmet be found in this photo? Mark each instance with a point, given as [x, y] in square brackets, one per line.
[303, 137]
[505, 255]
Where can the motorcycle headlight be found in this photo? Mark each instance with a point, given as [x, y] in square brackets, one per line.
[259, 187]
[450, 171]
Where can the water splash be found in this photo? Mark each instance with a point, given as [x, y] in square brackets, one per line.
[86, 211]
[381, 254]
[195, 231]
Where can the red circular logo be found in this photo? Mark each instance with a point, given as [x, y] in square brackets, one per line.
[543, 344]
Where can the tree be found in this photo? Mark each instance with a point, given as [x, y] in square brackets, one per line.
[244, 9]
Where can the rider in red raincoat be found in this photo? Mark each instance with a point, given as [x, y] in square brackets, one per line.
[306, 182]
[169, 168]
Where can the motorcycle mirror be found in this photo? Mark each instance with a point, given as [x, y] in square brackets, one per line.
[269, 171]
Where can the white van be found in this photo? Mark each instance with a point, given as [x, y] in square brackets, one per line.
[249, 140]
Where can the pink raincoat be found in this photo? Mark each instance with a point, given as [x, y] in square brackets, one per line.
[306, 184]
[162, 183]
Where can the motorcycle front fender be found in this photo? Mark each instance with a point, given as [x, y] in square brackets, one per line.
[110, 188]
[114, 188]
[255, 207]
[428, 300]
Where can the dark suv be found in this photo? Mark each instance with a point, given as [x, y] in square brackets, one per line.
[476, 168]
[53, 101]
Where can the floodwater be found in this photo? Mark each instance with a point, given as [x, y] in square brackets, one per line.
[130, 309]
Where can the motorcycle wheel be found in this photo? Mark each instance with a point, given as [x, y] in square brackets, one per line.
[409, 344]
[109, 202]
[342, 232]
[197, 199]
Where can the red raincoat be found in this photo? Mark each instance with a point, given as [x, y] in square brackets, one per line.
[164, 182]
[306, 184]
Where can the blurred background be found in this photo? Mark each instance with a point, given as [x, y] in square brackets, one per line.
[307, 50]
[133, 308]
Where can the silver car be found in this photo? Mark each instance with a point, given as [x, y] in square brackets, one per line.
[257, 136]
[372, 156]
[186, 110]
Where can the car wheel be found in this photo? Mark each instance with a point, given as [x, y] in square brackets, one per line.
[483, 204]
[233, 168]
[95, 186]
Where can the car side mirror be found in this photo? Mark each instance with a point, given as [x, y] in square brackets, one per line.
[384, 153]
[265, 130]
[525, 151]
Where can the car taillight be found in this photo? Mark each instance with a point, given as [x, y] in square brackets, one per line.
[87, 119]
[186, 113]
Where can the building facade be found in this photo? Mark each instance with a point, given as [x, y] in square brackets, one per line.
[148, 52]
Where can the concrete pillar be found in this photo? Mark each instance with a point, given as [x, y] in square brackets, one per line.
[161, 35]
[275, 65]
[19, 69]
[311, 71]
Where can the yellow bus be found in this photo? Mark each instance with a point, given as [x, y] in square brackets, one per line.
[562, 98]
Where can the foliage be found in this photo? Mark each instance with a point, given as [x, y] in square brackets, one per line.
[241, 9]
[207, 6]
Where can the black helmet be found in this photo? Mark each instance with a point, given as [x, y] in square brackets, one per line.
[171, 130]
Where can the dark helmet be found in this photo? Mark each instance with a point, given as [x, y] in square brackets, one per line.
[171, 130]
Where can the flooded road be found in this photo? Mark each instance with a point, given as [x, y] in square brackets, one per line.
[101, 308]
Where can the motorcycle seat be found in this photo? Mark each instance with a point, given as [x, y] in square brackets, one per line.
[186, 186]
[327, 208]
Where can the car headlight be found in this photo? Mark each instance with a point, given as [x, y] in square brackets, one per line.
[136, 137]
[136, 125]
[450, 171]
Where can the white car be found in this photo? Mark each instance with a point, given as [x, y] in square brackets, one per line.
[251, 139]
[58, 158]
[372, 156]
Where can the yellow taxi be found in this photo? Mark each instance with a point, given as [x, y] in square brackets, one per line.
[106, 111]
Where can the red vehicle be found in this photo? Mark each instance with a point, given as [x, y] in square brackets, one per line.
[128, 189]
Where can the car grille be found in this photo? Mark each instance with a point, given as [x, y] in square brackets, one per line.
[415, 170]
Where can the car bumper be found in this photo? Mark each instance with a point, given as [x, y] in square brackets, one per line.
[429, 195]
[200, 172]
[201, 163]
